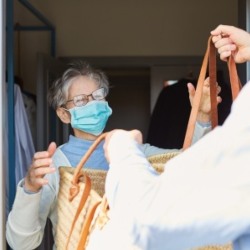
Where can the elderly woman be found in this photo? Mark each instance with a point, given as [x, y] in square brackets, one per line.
[79, 99]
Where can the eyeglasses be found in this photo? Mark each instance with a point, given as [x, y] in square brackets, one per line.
[81, 100]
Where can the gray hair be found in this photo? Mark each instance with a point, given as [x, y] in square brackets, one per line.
[58, 92]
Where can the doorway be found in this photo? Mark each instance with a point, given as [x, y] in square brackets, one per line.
[129, 98]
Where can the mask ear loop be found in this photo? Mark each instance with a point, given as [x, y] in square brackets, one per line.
[63, 114]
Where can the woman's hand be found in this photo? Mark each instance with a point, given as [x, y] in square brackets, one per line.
[205, 105]
[41, 165]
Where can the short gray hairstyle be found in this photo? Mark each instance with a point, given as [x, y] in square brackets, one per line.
[58, 92]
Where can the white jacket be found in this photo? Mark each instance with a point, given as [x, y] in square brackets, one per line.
[202, 198]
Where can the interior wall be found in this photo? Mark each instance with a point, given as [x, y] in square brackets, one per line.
[136, 27]
[129, 99]
[121, 28]
[115, 29]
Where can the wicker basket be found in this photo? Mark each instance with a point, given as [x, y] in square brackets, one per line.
[158, 161]
[223, 247]
[98, 183]
[66, 235]
[97, 178]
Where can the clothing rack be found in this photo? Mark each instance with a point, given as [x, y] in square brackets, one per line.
[10, 74]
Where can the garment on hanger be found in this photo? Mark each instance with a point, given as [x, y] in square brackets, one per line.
[170, 116]
[29, 101]
[24, 146]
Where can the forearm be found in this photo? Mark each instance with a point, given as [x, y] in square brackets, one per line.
[150, 150]
[127, 165]
[200, 130]
[24, 229]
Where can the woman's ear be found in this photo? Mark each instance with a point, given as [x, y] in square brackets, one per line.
[63, 114]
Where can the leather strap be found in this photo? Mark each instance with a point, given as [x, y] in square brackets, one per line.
[86, 226]
[74, 189]
[234, 79]
[85, 230]
[75, 181]
[213, 83]
[210, 56]
[83, 200]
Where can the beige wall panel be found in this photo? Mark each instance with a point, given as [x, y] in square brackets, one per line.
[123, 28]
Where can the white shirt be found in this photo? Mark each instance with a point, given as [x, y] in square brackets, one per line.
[202, 198]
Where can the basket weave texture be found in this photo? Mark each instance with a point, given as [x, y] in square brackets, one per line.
[158, 161]
[223, 247]
[66, 209]
[97, 178]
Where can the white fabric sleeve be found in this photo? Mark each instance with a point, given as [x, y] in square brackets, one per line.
[126, 162]
[202, 198]
[29, 214]
[23, 229]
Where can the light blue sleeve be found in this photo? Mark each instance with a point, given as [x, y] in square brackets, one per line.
[243, 243]
[59, 158]
[201, 129]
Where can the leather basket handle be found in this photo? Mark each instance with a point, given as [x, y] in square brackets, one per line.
[210, 60]
[74, 189]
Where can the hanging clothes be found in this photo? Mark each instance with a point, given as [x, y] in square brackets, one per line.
[29, 101]
[170, 116]
[24, 146]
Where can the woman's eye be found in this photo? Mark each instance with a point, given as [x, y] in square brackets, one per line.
[97, 96]
[79, 101]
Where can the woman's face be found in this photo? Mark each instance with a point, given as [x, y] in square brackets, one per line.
[81, 85]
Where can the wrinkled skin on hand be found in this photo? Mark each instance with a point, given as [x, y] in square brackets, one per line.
[40, 166]
[205, 106]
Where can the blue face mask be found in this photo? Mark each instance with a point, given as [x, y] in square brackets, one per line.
[91, 118]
